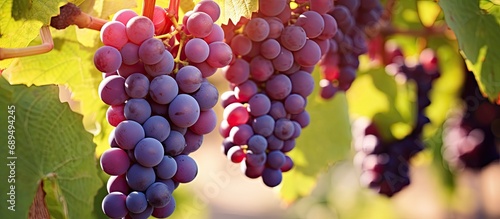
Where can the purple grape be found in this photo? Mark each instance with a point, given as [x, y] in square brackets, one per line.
[113, 205]
[136, 202]
[186, 169]
[149, 152]
[174, 144]
[158, 195]
[184, 111]
[128, 133]
[139, 178]
[167, 168]
[137, 110]
[114, 161]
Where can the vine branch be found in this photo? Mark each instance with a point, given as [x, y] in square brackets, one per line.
[46, 46]
[70, 14]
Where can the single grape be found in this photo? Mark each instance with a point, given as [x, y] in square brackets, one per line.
[199, 24]
[259, 104]
[114, 114]
[238, 72]
[139, 29]
[163, 89]
[128, 133]
[158, 195]
[114, 161]
[241, 45]
[113, 205]
[270, 49]
[149, 152]
[244, 91]
[206, 122]
[193, 142]
[206, 96]
[184, 111]
[107, 59]
[283, 129]
[117, 184]
[130, 53]
[217, 34]
[166, 211]
[275, 159]
[271, 8]
[261, 69]
[174, 144]
[136, 202]
[235, 114]
[293, 37]
[257, 144]
[196, 50]
[236, 154]
[272, 177]
[278, 87]
[209, 7]
[151, 51]
[295, 104]
[220, 54]
[124, 15]
[240, 134]
[157, 127]
[139, 178]
[186, 169]
[263, 125]
[312, 22]
[189, 79]
[137, 85]
[257, 29]
[113, 33]
[137, 109]
[167, 168]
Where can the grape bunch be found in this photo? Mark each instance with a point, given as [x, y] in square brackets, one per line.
[339, 64]
[470, 136]
[385, 163]
[160, 103]
[270, 79]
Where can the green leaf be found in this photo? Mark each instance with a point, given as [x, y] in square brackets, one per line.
[21, 20]
[70, 64]
[326, 140]
[234, 10]
[476, 24]
[378, 96]
[49, 141]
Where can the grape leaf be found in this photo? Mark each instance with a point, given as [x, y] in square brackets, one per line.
[50, 144]
[71, 64]
[326, 140]
[476, 24]
[20, 22]
[233, 10]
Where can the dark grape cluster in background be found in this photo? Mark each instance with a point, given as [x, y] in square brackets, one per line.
[160, 103]
[385, 162]
[339, 64]
[276, 51]
[471, 137]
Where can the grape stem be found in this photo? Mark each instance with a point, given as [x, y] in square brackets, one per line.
[173, 9]
[387, 30]
[148, 8]
[46, 46]
[70, 14]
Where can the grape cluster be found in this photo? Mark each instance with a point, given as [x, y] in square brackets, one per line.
[339, 64]
[470, 138]
[385, 163]
[270, 79]
[160, 103]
